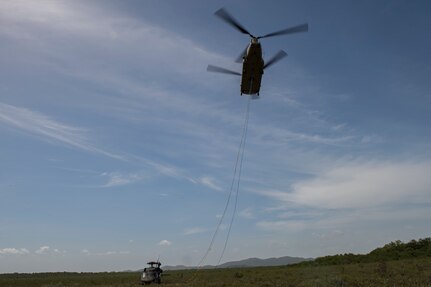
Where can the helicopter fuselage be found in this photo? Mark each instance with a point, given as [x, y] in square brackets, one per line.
[252, 69]
[252, 61]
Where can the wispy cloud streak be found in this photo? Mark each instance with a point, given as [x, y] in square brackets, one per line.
[194, 230]
[120, 179]
[39, 124]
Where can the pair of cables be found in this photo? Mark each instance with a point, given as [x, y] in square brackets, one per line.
[234, 188]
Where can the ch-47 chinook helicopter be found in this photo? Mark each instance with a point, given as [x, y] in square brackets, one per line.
[252, 61]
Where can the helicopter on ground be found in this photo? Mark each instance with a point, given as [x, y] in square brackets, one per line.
[251, 58]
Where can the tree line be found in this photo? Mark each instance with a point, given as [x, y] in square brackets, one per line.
[396, 250]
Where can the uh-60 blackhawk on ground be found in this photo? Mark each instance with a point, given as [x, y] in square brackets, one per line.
[152, 274]
[251, 58]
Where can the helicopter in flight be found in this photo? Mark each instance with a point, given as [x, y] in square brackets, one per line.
[253, 65]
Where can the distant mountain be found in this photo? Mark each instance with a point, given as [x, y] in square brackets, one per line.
[176, 267]
[257, 262]
[250, 262]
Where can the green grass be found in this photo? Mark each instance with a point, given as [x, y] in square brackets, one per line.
[407, 272]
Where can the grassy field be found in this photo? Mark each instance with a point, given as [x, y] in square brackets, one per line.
[408, 272]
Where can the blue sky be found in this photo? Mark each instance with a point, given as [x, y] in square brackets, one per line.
[117, 147]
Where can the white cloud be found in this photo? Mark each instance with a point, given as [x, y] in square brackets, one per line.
[14, 251]
[361, 185]
[43, 250]
[194, 230]
[364, 185]
[164, 242]
[118, 179]
[354, 196]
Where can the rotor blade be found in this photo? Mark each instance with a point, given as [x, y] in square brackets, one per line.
[216, 69]
[277, 57]
[291, 30]
[223, 14]
[241, 56]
